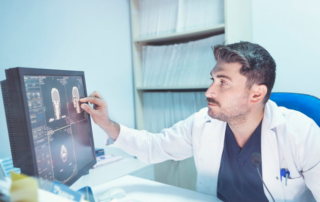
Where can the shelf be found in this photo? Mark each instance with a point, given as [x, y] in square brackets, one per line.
[173, 88]
[183, 35]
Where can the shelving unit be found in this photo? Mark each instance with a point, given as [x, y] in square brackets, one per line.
[173, 88]
[234, 18]
[138, 42]
[218, 29]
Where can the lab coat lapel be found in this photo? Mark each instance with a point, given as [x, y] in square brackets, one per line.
[270, 164]
[270, 153]
[213, 134]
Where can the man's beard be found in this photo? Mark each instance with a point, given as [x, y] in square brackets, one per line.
[236, 112]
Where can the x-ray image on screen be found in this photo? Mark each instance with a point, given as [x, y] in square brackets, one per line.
[62, 154]
[76, 98]
[74, 90]
[56, 103]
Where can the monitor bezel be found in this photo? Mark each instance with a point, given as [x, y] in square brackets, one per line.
[23, 71]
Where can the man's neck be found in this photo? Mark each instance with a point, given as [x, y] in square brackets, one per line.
[243, 130]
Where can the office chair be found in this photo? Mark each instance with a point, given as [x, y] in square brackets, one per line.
[306, 104]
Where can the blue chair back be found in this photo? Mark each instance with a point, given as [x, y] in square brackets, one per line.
[306, 104]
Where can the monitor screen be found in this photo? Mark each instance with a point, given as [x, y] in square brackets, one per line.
[59, 135]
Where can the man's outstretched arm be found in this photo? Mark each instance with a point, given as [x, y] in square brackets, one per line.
[99, 114]
[172, 143]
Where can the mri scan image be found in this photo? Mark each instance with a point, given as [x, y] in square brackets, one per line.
[74, 92]
[54, 100]
[64, 153]
[76, 98]
[56, 103]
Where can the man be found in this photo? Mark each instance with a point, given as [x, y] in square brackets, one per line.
[239, 124]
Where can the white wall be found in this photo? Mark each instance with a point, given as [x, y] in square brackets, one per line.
[88, 35]
[290, 31]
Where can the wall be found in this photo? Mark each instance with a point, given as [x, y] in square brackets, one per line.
[290, 31]
[91, 36]
[237, 20]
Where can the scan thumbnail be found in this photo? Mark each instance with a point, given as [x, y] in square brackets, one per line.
[54, 102]
[55, 95]
[62, 153]
[75, 91]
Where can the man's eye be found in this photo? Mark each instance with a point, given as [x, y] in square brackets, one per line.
[211, 79]
[224, 83]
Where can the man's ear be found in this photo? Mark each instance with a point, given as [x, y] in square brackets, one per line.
[258, 92]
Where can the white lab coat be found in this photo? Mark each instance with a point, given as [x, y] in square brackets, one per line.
[289, 140]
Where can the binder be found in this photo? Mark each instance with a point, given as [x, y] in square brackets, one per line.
[163, 109]
[178, 65]
[170, 16]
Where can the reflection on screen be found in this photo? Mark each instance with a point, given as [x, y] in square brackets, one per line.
[59, 125]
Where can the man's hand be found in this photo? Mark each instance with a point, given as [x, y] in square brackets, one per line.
[99, 114]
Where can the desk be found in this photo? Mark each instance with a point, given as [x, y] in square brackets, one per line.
[117, 175]
[127, 166]
[149, 191]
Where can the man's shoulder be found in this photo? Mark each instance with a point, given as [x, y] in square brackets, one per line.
[295, 118]
[296, 125]
[279, 115]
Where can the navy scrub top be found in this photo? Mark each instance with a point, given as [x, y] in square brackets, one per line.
[238, 178]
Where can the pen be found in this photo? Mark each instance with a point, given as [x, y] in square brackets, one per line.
[287, 175]
[284, 173]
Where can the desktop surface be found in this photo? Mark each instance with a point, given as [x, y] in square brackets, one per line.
[118, 175]
[102, 174]
[138, 189]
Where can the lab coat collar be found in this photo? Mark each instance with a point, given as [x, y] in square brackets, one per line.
[272, 115]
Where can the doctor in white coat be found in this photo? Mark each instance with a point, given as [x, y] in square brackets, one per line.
[238, 98]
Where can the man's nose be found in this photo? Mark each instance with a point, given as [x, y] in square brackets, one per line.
[211, 91]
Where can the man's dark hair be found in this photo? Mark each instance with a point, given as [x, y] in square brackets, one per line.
[257, 64]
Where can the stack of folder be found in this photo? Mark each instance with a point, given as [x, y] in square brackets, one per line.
[186, 64]
[170, 16]
[163, 109]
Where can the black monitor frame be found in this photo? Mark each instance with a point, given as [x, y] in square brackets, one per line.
[19, 123]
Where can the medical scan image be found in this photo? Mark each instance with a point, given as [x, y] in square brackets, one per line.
[76, 98]
[74, 90]
[62, 154]
[56, 103]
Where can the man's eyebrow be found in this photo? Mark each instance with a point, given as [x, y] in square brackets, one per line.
[224, 76]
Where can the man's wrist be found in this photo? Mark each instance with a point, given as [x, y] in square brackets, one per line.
[112, 129]
[108, 124]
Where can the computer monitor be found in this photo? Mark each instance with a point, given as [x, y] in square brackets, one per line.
[50, 135]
